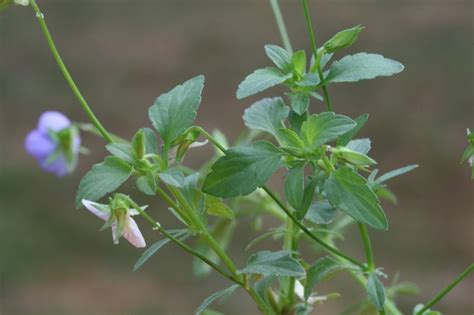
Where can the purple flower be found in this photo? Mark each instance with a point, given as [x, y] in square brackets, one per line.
[130, 230]
[55, 143]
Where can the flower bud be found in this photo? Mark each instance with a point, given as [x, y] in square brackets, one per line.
[353, 157]
[138, 145]
[343, 39]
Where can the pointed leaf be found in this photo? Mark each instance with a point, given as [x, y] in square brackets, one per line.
[321, 212]
[362, 66]
[299, 102]
[376, 291]
[360, 145]
[294, 186]
[279, 263]
[266, 115]
[215, 206]
[261, 80]
[395, 173]
[220, 295]
[121, 150]
[345, 138]
[348, 191]
[280, 57]
[175, 111]
[242, 170]
[325, 127]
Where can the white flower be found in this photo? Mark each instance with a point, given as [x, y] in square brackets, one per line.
[299, 291]
[22, 2]
[131, 232]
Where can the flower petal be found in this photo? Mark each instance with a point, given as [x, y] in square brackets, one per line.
[132, 233]
[92, 207]
[135, 212]
[39, 145]
[57, 166]
[54, 121]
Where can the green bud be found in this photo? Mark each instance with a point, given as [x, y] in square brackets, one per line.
[138, 145]
[353, 157]
[343, 39]
[299, 62]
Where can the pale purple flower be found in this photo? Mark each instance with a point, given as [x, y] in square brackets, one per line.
[55, 143]
[131, 232]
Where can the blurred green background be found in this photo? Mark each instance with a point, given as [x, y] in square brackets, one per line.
[125, 53]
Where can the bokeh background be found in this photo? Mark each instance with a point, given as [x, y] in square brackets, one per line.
[125, 53]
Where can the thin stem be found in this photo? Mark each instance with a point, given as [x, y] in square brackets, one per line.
[281, 25]
[364, 233]
[67, 75]
[308, 232]
[291, 244]
[446, 290]
[314, 48]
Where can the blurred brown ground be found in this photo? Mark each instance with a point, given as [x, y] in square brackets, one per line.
[125, 53]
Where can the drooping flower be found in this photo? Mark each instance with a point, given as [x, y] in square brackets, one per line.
[120, 220]
[55, 143]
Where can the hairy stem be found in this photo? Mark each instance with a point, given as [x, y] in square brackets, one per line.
[314, 48]
[281, 25]
[57, 57]
[446, 290]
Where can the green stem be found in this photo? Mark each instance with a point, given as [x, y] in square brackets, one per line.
[291, 244]
[364, 233]
[308, 232]
[314, 48]
[67, 75]
[281, 25]
[446, 290]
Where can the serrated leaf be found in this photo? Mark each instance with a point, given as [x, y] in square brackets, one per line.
[102, 179]
[279, 263]
[173, 176]
[395, 173]
[121, 150]
[299, 102]
[175, 111]
[217, 207]
[325, 127]
[220, 295]
[376, 291]
[360, 145]
[349, 192]
[242, 170]
[321, 212]
[294, 186]
[362, 66]
[321, 269]
[345, 138]
[266, 115]
[260, 80]
[280, 57]
[147, 254]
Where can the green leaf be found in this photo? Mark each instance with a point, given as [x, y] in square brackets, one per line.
[291, 138]
[321, 269]
[299, 102]
[173, 176]
[343, 39]
[296, 121]
[345, 138]
[220, 295]
[307, 198]
[348, 191]
[360, 145]
[242, 170]
[279, 263]
[102, 179]
[151, 144]
[294, 186]
[280, 57]
[175, 111]
[322, 63]
[309, 79]
[325, 127]
[299, 62]
[121, 150]
[397, 172]
[147, 184]
[353, 157]
[266, 115]
[262, 287]
[362, 66]
[321, 212]
[261, 80]
[376, 291]
[217, 207]
[147, 254]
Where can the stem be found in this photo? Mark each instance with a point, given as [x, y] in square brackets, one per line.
[67, 75]
[364, 233]
[292, 245]
[308, 232]
[446, 290]
[281, 25]
[314, 48]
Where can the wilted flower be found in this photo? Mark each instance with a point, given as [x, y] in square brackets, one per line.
[55, 143]
[120, 220]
